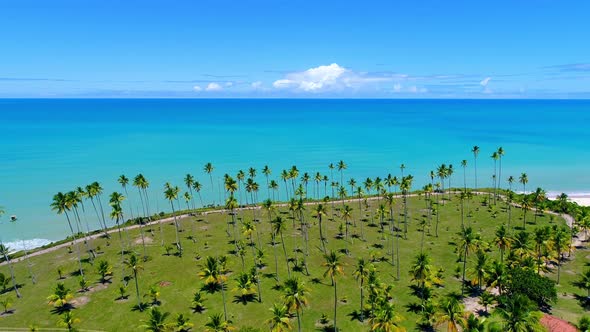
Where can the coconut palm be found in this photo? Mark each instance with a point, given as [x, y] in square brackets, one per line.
[361, 273]
[267, 172]
[295, 297]
[334, 268]
[464, 165]
[104, 269]
[217, 323]
[189, 181]
[502, 240]
[341, 167]
[475, 151]
[467, 242]
[386, 319]
[133, 263]
[278, 225]
[541, 238]
[519, 315]
[171, 194]
[208, 168]
[320, 211]
[61, 296]
[279, 322]
[244, 285]
[523, 179]
[61, 205]
[560, 244]
[584, 282]
[450, 312]
[68, 320]
[346, 216]
[480, 268]
[359, 195]
[157, 321]
[213, 274]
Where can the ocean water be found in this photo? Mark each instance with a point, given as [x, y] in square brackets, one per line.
[52, 145]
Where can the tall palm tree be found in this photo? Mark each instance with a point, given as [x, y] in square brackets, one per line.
[4, 252]
[541, 238]
[341, 167]
[189, 181]
[213, 274]
[481, 267]
[451, 313]
[523, 179]
[560, 244]
[406, 186]
[61, 205]
[502, 240]
[500, 155]
[464, 165]
[467, 242]
[361, 273]
[278, 225]
[279, 322]
[359, 196]
[267, 172]
[133, 263]
[334, 268]
[208, 168]
[421, 272]
[117, 215]
[475, 151]
[295, 297]
[519, 315]
[92, 192]
[320, 211]
[495, 157]
[346, 216]
[171, 194]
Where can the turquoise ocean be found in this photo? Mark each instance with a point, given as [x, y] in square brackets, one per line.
[51, 145]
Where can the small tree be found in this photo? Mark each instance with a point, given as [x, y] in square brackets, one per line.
[6, 303]
[104, 269]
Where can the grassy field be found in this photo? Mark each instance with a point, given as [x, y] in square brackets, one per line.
[177, 277]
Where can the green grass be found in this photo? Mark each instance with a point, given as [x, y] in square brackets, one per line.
[180, 279]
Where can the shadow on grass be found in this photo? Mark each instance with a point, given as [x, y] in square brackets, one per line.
[583, 301]
[356, 315]
[245, 299]
[64, 308]
[139, 307]
[211, 288]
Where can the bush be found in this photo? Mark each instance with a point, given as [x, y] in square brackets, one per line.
[539, 289]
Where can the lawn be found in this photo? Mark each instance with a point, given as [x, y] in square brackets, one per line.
[177, 277]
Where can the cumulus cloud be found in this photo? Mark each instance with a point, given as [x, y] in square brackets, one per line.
[397, 87]
[197, 88]
[256, 85]
[212, 87]
[331, 77]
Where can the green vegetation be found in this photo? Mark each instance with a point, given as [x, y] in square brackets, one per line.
[374, 258]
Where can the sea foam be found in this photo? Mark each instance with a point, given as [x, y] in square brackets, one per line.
[29, 244]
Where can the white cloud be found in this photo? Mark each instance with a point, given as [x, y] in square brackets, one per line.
[256, 85]
[485, 81]
[229, 84]
[213, 87]
[415, 89]
[397, 87]
[197, 88]
[331, 77]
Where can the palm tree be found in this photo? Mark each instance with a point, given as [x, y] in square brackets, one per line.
[104, 269]
[216, 323]
[359, 195]
[267, 172]
[467, 241]
[61, 205]
[502, 240]
[523, 179]
[341, 167]
[171, 194]
[451, 313]
[495, 157]
[386, 319]
[61, 296]
[208, 168]
[295, 297]
[560, 243]
[464, 165]
[584, 282]
[157, 321]
[278, 225]
[475, 152]
[285, 177]
[346, 216]
[500, 155]
[334, 268]
[361, 273]
[519, 315]
[68, 320]
[189, 181]
[279, 322]
[132, 262]
[212, 273]
[481, 267]
[421, 272]
[320, 211]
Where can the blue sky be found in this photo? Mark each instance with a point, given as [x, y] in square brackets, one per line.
[274, 48]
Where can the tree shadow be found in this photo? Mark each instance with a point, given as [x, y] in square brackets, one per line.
[198, 309]
[583, 301]
[211, 287]
[64, 308]
[139, 307]
[269, 275]
[76, 273]
[356, 315]
[245, 298]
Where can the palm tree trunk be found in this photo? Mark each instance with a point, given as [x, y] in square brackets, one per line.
[464, 267]
[335, 303]
[76, 244]
[223, 297]
[178, 245]
[14, 285]
[286, 257]
[137, 290]
[274, 246]
[362, 299]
